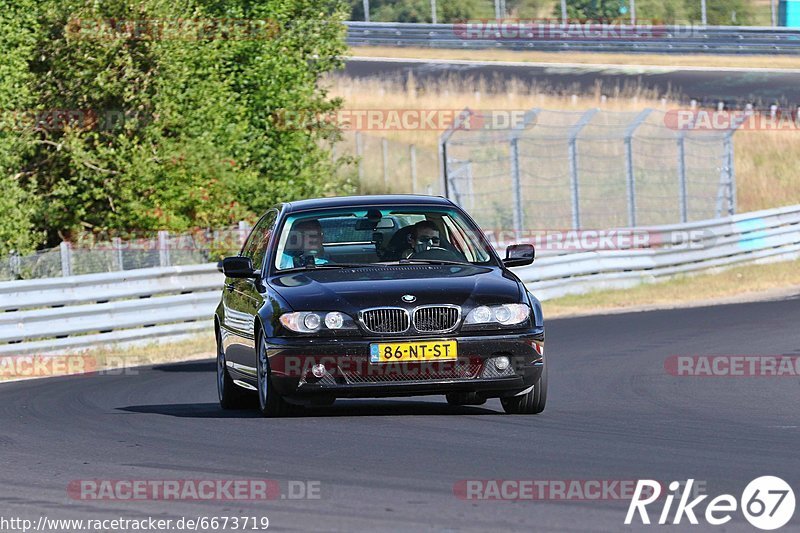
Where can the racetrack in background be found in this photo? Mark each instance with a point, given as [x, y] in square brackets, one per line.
[734, 86]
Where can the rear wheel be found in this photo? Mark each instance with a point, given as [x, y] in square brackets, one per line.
[270, 402]
[531, 403]
[230, 396]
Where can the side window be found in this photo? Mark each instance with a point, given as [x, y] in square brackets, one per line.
[256, 246]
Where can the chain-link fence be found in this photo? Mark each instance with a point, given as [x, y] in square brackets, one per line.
[90, 255]
[592, 169]
[551, 170]
[385, 165]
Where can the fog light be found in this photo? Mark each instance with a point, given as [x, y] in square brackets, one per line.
[311, 321]
[318, 370]
[501, 363]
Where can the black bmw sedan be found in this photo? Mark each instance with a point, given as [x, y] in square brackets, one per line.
[377, 296]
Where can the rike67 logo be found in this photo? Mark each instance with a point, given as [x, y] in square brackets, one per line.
[767, 503]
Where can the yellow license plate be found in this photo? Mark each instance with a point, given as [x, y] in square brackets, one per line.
[404, 352]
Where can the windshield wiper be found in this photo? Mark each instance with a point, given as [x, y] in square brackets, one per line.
[325, 266]
[434, 262]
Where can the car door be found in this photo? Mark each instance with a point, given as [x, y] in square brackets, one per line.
[242, 298]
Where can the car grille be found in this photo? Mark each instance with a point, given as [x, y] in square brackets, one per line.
[385, 320]
[436, 318]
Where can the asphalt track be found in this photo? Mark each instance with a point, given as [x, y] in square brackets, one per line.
[613, 414]
[708, 86]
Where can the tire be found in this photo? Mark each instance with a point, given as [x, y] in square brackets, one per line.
[531, 403]
[464, 398]
[230, 395]
[270, 403]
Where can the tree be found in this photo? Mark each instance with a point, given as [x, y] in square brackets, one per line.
[172, 124]
[17, 40]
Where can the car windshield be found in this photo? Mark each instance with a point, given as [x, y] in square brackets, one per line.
[370, 236]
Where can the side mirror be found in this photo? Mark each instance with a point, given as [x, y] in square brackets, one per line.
[238, 267]
[519, 255]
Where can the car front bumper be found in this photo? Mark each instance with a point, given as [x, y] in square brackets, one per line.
[349, 373]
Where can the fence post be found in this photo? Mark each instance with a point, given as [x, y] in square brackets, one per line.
[728, 158]
[629, 175]
[366, 10]
[731, 176]
[682, 200]
[66, 259]
[14, 264]
[163, 248]
[574, 185]
[443, 140]
[413, 155]
[244, 229]
[116, 244]
[434, 18]
[516, 173]
[385, 156]
[360, 157]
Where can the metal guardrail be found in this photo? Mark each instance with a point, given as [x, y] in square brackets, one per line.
[56, 314]
[67, 313]
[658, 39]
[759, 236]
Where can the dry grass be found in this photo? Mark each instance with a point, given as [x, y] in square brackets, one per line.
[765, 162]
[588, 58]
[766, 165]
[744, 281]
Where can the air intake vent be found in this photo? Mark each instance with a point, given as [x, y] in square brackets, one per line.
[436, 318]
[385, 320]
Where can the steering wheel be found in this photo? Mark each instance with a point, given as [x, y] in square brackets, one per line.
[437, 252]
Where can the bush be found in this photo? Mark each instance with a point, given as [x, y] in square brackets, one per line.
[173, 133]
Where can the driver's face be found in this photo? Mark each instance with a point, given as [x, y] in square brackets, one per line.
[425, 240]
[428, 235]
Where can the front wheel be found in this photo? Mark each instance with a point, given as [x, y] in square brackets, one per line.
[531, 403]
[270, 402]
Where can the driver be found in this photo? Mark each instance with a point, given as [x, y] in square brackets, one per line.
[424, 235]
[304, 245]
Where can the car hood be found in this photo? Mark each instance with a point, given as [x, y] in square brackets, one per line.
[351, 289]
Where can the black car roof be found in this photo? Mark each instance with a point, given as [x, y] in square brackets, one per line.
[365, 201]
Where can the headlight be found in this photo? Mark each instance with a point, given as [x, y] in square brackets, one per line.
[506, 314]
[334, 320]
[312, 321]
